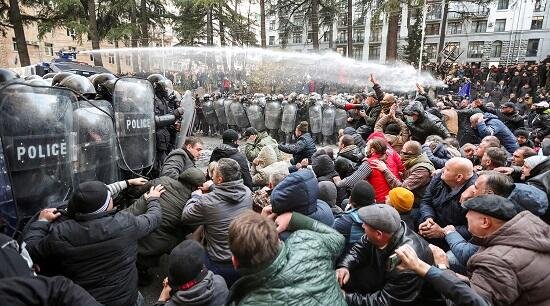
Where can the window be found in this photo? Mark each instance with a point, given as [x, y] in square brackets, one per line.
[479, 26]
[342, 21]
[14, 43]
[71, 32]
[430, 51]
[532, 47]
[540, 5]
[434, 11]
[299, 21]
[374, 52]
[309, 37]
[342, 37]
[359, 36]
[326, 36]
[375, 34]
[357, 53]
[432, 29]
[49, 49]
[453, 48]
[358, 19]
[297, 38]
[500, 25]
[496, 48]
[272, 25]
[502, 5]
[128, 60]
[475, 49]
[271, 40]
[454, 28]
[536, 23]
[111, 58]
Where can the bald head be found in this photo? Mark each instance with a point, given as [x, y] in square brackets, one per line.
[412, 147]
[457, 171]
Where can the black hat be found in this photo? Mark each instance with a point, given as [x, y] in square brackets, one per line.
[185, 264]
[362, 194]
[230, 136]
[521, 132]
[509, 104]
[90, 198]
[493, 206]
[250, 131]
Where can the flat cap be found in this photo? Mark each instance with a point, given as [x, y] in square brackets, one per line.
[493, 206]
[382, 217]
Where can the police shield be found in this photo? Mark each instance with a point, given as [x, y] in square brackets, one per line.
[133, 102]
[340, 119]
[96, 154]
[255, 115]
[227, 107]
[328, 121]
[8, 210]
[209, 112]
[315, 117]
[35, 128]
[188, 105]
[239, 113]
[288, 121]
[220, 111]
[273, 112]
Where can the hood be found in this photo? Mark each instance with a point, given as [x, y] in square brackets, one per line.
[200, 294]
[525, 231]
[192, 176]
[224, 151]
[349, 131]
[527, 197]
[540, 168]
[323, 166]
[297, 192]
[267, 155]
[232, 192]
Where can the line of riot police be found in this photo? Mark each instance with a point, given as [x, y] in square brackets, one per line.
[62, 129]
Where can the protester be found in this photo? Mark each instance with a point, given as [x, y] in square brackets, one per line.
[180, 159]
[489, 125]
[229, 149]
[402, 200]
[304, 146]
[256, 141]
[262, 197]
[266, 164]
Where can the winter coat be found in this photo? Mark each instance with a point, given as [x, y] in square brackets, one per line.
[232, 152]
[492, 126]
[393, 160]
[539, 177]
[465, 132]
[210, 291]
[16, 261]
[426, 125]
[171, 230]
[298, 192]
[348, 160]
[350, 226]
[387, 287]
[303, 148]
[268, 165]
[439, 156]
[302, 272]
[513, 121]
[511, 267]
[253, 149]
[41, 290]
[442, 204]
[450, 117]
[378, 182]
[97, 252]
[461, 248]
[453, 288]
[215, 210]
[176, 162]
[527, 197]
[541, 124]
[396, 141]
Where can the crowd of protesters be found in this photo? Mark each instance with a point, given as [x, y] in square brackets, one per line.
[427, 200]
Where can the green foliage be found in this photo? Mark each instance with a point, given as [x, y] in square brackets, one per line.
[414, 38]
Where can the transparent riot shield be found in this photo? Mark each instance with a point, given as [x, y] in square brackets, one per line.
[229, 115]
[315, 118]
[133, 103]
[255, 115]
[327, 128]
[288, 120]
[220, 111]
[188, 105]
[8, 210]
[239, 114]
[35, 128]
[96, 146]
[273, 112]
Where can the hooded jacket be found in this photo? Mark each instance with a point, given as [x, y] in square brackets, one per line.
[210, 291]
[539, 176]
[231, 151]
[426, 125]
[215, 210]
[511, 267]
[492, 126]
[348, 160]
[298, 192]
[396, 141]
[176, 162]
[526, 197]
[303, 148]
[253, 149]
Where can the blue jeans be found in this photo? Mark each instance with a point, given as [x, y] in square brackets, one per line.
[223, 269]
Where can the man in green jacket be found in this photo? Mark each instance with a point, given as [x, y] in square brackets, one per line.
[256, 141]
[299, 271]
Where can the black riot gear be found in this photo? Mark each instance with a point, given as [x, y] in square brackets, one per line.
[79, 84]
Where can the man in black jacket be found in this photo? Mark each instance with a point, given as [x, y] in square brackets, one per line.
[230, 149]
[180, 159]
[380, 282]
[97, 247]
[304, 146]
[423, 124]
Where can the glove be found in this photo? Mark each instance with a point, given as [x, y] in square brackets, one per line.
[178, 112]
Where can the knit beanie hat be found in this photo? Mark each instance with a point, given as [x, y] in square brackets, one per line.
[89, 198]
[303, 127]
[362, 194]
[186, 265]
[401, 199]
[327, 192]
[533, 161]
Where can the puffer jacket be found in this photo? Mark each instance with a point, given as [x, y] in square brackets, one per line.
[465, 132]
[527, 197]
[511, 267]
[298, 192]
[303, 148]
[393, 287]
[492, 126]
[426, 125]
[176, 162]
[441, 204]
[96, 252]
[302, 273]
[171, 230]
[216, 210]
[210, 291]
[231, 151]
[348, 160]
[253, 149]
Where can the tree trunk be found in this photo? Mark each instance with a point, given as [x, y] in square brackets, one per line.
[350, 28]
[262, 24]
[315, 24]
[209, 27]
[117, 59]
[331, 36]
[393, 33]
[17, 23]
[442, 30]
[222, 37]
[93, 32]
[144, 35]
[134, 39]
